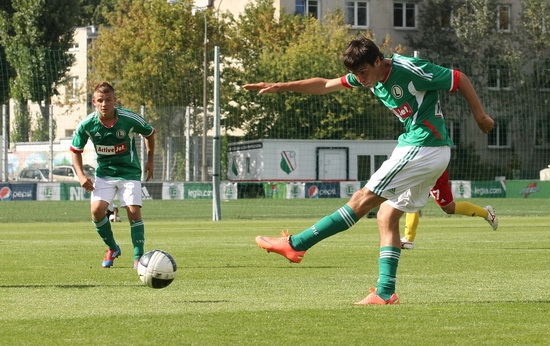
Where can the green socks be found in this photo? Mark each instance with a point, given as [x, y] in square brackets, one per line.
[387, 270]
[137, 231]
[103, 228]
[339, 221]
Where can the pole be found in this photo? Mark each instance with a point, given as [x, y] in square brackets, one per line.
[204, 171]
[51, 135]
[5, 162]
[187, 144]
[216, 209]
[143, 151]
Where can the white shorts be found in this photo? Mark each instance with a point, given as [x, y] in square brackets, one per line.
[405, 179]
[128, 192]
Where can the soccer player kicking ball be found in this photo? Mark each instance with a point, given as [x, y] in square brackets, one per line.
[409, 87]
[113, 131]
[443, 196]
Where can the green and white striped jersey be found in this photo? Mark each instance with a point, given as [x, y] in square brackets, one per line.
[411, 92]
[115, 145]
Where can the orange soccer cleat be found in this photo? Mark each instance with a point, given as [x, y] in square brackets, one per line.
[375, 299]
[280, 245]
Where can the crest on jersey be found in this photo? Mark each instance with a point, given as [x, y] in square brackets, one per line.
[120, 134]
[396, 91]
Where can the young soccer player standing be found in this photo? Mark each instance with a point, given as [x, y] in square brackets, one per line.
[409, 87]
[113, 130]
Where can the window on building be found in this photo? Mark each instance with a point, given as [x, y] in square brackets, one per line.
[308, 8]
[404, 15]
[73, 47]
[72, 88]
[454, 131]
[542, 132]
[445, 19]
[542, 74]
[357, 14]
[379, 160]
[503, 18]
[363, 167]
[499, 136]
[364, 170]
[499, 76]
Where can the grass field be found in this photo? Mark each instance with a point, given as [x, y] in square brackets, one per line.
[463, 284]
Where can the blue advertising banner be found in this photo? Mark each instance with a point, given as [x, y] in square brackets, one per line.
[323, 190]
[17, 192]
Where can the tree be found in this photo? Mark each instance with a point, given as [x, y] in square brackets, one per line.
[36, 38]
[436, 36]
[153, 52]
[94, 12]
[6, 71]
[5, 68]
[287, 47]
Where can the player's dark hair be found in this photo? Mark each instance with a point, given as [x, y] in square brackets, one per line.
[361, 51]
[104, 88]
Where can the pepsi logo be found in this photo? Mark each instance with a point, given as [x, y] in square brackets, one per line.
[5, 193]
[313, 192]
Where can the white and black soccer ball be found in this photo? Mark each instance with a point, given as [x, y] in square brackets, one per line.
[112, 218]
[156, 269]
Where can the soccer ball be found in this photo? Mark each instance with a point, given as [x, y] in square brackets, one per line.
[112, 218]
[156, 269]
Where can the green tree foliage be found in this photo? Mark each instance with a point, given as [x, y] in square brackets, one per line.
[534, 29]
[287, 47]
[475, 26]
[436, 36]
[93, 12]
[36, 37]
[6, 72]
[504, 66]
[153, 53]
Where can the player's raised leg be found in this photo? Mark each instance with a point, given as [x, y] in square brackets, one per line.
[294, 247]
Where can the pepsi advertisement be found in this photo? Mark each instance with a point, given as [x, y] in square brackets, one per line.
[323, 190]
[17, 192]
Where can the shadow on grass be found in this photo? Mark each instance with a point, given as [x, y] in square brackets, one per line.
[69, 286]
[201, 301]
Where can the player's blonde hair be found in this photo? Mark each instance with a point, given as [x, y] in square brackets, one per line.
[104, 88]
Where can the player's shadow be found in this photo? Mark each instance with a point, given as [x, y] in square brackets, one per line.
[70, 286]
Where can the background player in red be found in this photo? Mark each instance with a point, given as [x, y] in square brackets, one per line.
[443, 196]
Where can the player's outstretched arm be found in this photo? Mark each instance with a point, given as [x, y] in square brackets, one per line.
[316, 86]
[484, 121]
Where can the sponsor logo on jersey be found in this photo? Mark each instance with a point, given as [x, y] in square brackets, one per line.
[396, 91]
[111, 149]
[404, 111]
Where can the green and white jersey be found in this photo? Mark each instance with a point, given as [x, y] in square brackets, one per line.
[115, 145]
[411, 92]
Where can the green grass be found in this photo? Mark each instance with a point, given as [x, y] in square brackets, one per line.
[463, 284]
